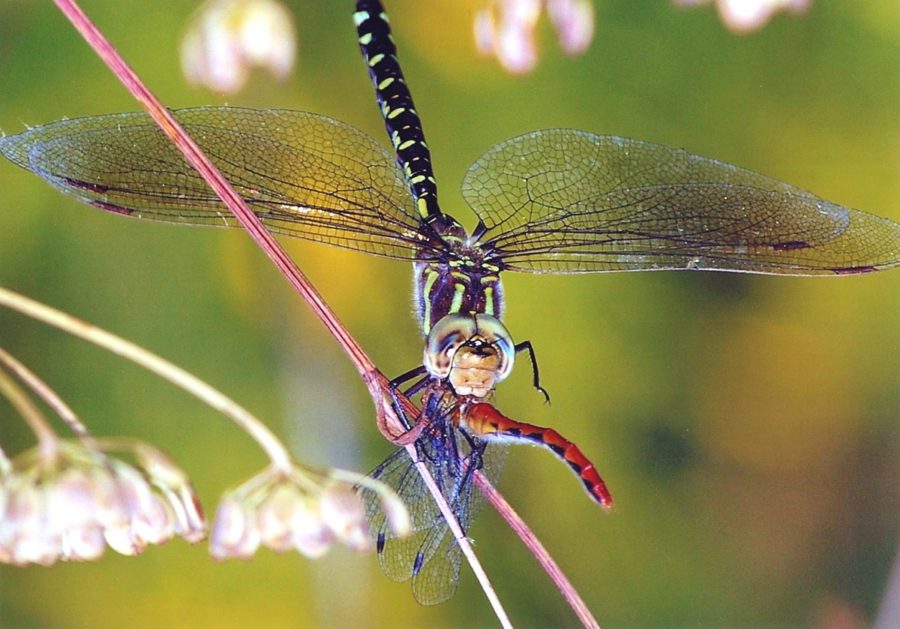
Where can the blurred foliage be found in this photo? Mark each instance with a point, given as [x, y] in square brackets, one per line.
[746, 425]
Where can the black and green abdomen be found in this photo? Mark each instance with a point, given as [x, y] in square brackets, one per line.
[400, 118]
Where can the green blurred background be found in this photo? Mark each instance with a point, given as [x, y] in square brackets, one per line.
[748, 426]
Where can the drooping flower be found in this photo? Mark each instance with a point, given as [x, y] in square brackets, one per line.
[71, 504]
[226, 38]
[744, 16]
[506, 29]
[302, 509]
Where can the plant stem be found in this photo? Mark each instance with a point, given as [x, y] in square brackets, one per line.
[538, 550]
[48, 441]
[177, 376]
[375, 380]
[43, 390]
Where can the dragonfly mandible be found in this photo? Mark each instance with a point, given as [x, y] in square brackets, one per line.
[551, 201]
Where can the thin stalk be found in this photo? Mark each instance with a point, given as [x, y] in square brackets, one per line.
[48, 441]
[889, 608]
[43, 390]
[537, 549]
[196, 158]
[245, 216]
[276, 451]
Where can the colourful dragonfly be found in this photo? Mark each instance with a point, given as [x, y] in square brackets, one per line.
[552, 201]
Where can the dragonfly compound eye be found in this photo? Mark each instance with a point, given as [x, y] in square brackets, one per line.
[444, 340]
[474, 352]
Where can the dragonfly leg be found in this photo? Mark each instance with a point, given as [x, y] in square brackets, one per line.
[487, 422]
[411, 427]
[475, 460]
[527, 346]
[394, 386]
[417, 386]
[473, 445]
[407, 432]
[407, 376]
[472, 460]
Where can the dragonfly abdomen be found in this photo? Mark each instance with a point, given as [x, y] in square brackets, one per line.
[486, 422]
[400, 117]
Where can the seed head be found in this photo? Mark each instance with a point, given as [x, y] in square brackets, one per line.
[302, 509]
[226, 38]
[72, 504]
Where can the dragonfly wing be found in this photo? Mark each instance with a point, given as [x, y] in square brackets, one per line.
[435, 574]
[303, 174]
[397, 555]
[429, 556]
[438, 576]
[568, 201]
[439, 555]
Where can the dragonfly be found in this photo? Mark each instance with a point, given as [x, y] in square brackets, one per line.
[562, 201]
[454, 445]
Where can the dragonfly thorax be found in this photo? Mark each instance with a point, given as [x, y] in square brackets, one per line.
[462, 281]
[472, 352]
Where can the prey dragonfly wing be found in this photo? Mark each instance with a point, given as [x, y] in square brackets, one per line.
[430, 555]
[552, 201]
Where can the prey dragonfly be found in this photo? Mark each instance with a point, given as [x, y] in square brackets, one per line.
[453, 446]
[551, 201]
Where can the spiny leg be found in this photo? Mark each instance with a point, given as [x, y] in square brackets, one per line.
[527, 346]
[415, 372]
[473, 461]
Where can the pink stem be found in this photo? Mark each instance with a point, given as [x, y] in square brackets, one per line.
[537, 549]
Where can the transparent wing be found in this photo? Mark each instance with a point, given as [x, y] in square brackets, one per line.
[303, 174]
[568, 201]
[429, 556]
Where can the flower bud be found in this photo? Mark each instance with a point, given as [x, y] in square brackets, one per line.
[227, 37]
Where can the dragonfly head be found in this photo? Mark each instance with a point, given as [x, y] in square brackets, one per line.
[473, 352]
